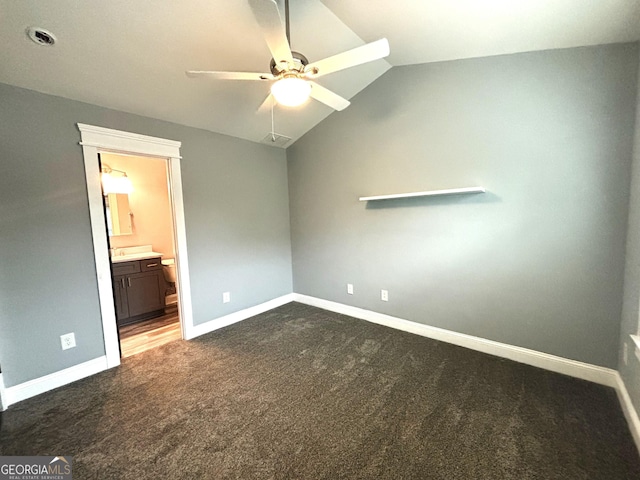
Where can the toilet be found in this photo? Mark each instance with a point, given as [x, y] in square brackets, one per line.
[169, 269]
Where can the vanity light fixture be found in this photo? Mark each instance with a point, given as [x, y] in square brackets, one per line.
[115, 184]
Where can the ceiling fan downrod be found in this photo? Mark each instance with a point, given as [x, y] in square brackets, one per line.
[286, 20]
[300, 61]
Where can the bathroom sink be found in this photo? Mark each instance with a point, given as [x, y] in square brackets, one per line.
[129, 254]
[134, 256]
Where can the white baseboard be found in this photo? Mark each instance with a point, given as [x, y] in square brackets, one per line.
[573, 368]
[3, 396]
[235, 317]
[40, 385]
[54, 380]
[585, 371]
[628, 409]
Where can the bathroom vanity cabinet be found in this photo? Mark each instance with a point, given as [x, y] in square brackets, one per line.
[138, 287]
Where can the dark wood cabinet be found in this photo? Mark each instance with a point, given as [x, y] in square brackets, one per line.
[120, 294]
[138, 288]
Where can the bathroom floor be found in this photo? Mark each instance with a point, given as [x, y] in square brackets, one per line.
[151, 333]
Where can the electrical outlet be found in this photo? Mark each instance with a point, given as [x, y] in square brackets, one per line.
[226, 297]
[350, 288]
[625, 353]
[384, 295]
[68, 340]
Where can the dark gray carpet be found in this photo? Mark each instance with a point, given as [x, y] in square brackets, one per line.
[301, 393]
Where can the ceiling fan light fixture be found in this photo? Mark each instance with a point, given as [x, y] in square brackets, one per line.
[291, 91]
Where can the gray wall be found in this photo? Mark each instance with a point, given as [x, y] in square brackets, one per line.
[537, 261]
[237, 222]
[631, 307]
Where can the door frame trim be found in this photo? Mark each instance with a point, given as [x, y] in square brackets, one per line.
[3, 396]
[95, 140]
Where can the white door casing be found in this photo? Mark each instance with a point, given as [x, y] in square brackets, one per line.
[3, 399]
[95, 140]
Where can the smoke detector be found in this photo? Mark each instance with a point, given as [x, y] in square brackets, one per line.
[41, 36]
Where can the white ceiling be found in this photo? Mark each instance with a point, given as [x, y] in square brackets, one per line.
[422, 31]
[132, 55]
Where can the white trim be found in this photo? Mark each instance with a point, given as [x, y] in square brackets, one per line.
[573, 368]
[54, 380]
[628, 409]
[235, 317]
[98, 139]
[183, 285]
[127, 142]
[3, 396]
[101, 255]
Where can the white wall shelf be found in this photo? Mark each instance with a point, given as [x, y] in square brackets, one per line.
[429, 193]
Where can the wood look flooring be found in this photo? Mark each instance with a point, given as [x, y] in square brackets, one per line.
[149, 334]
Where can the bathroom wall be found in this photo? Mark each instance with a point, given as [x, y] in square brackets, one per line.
[149, 203]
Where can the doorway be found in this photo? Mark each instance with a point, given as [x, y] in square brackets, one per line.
[98, 140]
[142, 250]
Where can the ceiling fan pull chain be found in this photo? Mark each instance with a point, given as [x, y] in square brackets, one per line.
[273, 126]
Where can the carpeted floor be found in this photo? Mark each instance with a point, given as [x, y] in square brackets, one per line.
[301, 393]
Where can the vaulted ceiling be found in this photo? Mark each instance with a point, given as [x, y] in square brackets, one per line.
[131, 56]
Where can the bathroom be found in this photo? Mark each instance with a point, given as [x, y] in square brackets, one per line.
[139, 218]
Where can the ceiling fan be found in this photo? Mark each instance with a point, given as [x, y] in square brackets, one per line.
[292, 76]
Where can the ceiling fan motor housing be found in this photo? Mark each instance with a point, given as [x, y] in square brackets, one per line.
[299, 60]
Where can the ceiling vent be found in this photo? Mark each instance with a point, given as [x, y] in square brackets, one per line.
[41, 36]
[276, 140]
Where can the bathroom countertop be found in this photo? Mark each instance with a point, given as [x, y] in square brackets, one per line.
[134, 256]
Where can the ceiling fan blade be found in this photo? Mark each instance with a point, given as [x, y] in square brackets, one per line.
[229, 75]
[327, 97]
[273, 29]
[357, 56]
[267, 104]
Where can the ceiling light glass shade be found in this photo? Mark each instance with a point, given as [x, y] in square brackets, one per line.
[291, 91]
[111, 184]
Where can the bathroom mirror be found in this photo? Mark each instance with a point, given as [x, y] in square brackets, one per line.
[118, 214]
